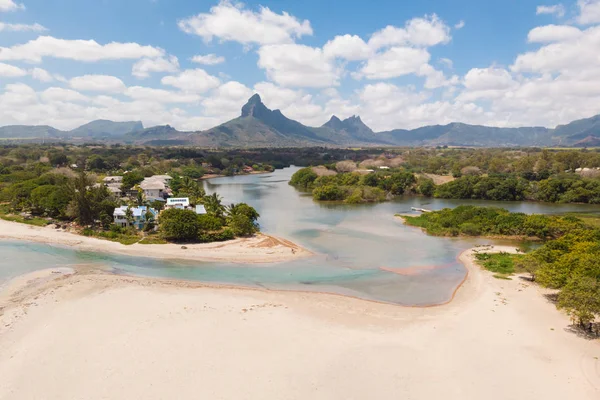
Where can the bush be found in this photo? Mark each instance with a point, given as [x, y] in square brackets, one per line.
[220, 236]
[328, 193]
[303, 178]
[179, 225]
[209, 223]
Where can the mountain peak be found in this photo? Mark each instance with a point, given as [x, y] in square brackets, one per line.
[254, 107]
[334, 123]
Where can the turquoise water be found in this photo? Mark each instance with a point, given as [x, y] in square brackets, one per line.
[352, 244]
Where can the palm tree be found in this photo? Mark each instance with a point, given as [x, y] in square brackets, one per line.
[129, 216]
[192, 189]
[214, 206]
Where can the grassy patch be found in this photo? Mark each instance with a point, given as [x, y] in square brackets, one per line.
[500, 263]
[126, 239]
[592, 220]
[503, 277]
[153, 240]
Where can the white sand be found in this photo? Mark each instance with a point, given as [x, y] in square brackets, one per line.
[106, 337]
[258, 249]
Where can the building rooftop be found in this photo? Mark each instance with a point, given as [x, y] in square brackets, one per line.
[114, 179]
[152, 184]
[137, 211]
[184, 201]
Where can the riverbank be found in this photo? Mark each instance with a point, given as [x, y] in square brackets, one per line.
[93, 335]
[257, 249]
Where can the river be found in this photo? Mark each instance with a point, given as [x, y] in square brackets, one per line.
[351, 242]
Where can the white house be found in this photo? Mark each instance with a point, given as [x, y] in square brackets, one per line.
[180, 203]
[153, 188]
[139, 216]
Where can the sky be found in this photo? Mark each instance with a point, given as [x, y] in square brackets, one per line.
[192, 64]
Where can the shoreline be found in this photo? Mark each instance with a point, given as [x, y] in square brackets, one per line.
[259, 249]
[130, 337]
[118, 334]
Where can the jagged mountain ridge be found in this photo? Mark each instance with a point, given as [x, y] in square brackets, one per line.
[258, 126]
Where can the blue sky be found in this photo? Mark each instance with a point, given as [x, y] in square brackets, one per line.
[398, 64]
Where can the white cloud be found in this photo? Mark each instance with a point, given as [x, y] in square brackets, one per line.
[10, 71]
[297, 65]
[349, 47]
[331, 92]
[208, 59]
[434, 78]
[63, 95]
[79, 50]
[160, 95]
[21, 27]
[589, 11]
[488, 79]
[460, 24]
[192, 80]
[226, 101]
[395, 62]
[575, 53]
[98, 83]
[229, 21]
[427, 31]
[41, 75]
[144, 67]
[275, 96]
[553, 33]
[10, 5]
[557, 9]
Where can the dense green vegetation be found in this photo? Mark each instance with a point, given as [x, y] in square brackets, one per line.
[219, 224]
[354, 186]
[491, 221]
[40, 185]
[560, 188]
[569, 259]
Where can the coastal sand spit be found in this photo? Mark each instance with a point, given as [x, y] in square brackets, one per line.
[94, 336]
[258, 249]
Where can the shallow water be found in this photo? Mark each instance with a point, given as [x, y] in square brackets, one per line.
[352, 244]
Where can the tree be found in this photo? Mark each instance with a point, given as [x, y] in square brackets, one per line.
[129, 217]
[328, 193]
[58, 159]
[241, 225]
[51, 200]
[88, 200]
[303, 178]
[581, 299]
[139, 198]
[131, 179]
[243, 209]
[529, 264]
[191, 189]
[178, 224]
[214, 206]
[426, 187]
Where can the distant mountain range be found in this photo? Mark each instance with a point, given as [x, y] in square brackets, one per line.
[258, 126]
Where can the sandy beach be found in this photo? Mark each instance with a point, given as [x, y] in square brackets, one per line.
[90, 335]
[258, 249]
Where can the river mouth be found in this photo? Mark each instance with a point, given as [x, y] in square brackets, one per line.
[360, 250]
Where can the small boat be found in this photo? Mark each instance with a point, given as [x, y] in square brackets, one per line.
[420, 209]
